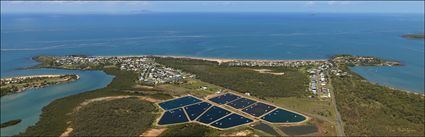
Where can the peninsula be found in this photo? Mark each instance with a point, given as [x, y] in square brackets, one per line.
[332, 100]
[19, 84]
[414, 36]
[10, 123]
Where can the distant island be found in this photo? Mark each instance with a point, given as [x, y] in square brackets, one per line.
[19, 84]
[10, 123]
[414, 36]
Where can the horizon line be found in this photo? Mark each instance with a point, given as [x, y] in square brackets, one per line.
[153, 12]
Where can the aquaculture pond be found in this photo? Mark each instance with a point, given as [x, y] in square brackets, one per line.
[188, 108]
[258, 109]
[179, 102]
[213, 114]
[173, 117]
[241, 103]
[283, 116]
[267, 129]
[231, 121]
[193, 111]
[299, 130]
[225, 98]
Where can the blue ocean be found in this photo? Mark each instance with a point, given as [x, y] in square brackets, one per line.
[218, 35]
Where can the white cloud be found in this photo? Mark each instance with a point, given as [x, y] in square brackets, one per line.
[339, 2]
[310, 3]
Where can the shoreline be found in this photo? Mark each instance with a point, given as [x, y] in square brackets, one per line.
[12, 81]
[225, 60]
[36, 76]
[219, 60]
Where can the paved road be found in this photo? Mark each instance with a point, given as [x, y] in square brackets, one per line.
[339, 122]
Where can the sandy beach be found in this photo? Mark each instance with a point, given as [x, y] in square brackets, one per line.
[219, 60]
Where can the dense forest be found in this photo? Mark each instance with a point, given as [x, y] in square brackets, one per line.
[373, 110]
[120, 117]
[190, 130]
[244, 79]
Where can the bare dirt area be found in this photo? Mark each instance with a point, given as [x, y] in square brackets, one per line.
[67, 131]
[240, 133]
[153, 132]
[148, 99]
[113, 98]
[85, 103]
[268, 71]
[143, 87]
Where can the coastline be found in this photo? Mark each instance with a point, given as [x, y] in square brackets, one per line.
[15, 81]
[387, 86]
[218, 60]
[226, 60]
[35, 76]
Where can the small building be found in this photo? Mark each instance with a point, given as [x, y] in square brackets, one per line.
[204, 88]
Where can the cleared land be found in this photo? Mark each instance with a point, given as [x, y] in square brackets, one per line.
[153, 132]
[268, 71]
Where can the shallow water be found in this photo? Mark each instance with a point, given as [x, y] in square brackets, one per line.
[266, 128]
[27, 105]
[299, 130]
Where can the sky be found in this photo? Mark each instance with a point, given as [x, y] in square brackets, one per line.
[134, 7]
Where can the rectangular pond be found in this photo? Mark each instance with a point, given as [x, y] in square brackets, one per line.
[225, 98]
[241, 103]
[283, 116]
[173, 117]
[258, 109]
[179, 102]
[266, 128]
[231, 121]
[193, 111]
[299, 130]
[213, 114]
